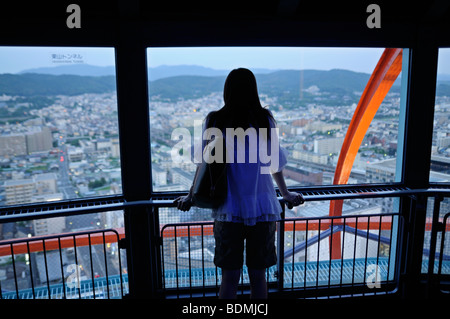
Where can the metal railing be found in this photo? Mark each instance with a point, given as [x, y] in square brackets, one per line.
[305, 265]
[304, 256]
[79, 265]
[368, 251]
[444, 226]
[443, 271]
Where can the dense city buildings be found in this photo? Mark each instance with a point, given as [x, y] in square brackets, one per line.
[69, 147]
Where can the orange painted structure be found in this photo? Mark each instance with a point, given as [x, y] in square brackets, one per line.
[384, 75]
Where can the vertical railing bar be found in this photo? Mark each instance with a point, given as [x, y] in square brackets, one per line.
[176, 260]
[217, 281]
[330, 250]
[62, 268]
[433, 235]
[203, 261]
[293, 254]
[280, 248]
[242, 280]
[441, 249]
[306, 254]
[367, 250]
[31, 271]
[77, 267]
[318, 256]
[267, 275]
[1, 294]
[189, 260]
[14, 269]
[354, 254]
[163, 256]
[120, 266]
[106, 264]
[46, 269]
[390, 247]
[92, 265]
[217, 274]
[378, 253]
[344, 220]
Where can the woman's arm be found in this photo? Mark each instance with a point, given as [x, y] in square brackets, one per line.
[292, 198]
[184, 203]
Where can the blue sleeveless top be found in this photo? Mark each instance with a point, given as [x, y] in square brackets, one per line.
[251, 194]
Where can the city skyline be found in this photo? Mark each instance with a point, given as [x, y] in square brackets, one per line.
[82, 130]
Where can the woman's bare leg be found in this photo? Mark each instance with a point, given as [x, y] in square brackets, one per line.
[258, 283]
[230, 282]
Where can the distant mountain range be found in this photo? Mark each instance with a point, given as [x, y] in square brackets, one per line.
[287, 85]
[187, 81]
[74, 69]
[155, 73]
[32, 84]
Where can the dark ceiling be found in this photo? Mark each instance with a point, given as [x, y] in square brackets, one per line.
[226, 22]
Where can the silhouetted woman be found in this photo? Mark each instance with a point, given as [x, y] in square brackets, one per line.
[251, 207]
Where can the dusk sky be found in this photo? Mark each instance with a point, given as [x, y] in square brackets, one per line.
[16, 59]
[361, 60]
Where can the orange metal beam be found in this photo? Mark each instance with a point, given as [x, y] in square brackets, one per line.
[384, 75]
[362, 223]
[301, 225]
[36, 244]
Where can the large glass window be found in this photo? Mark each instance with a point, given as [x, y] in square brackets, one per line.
[440, 156]
[58, 124]
[440, 152]
[312, 92]
[58, 140]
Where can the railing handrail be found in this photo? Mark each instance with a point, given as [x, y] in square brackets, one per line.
[95, 205]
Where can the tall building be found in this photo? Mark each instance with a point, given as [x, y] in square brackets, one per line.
[303, 175]
[310, 156]
[45, 183]
[328, 145]
[48, 226]
[40, 188]
[159, 175]
[19, 191]
[39, 140]
[13, 145]
[322, 126]
[382, 172]
[75, 154]
[182, 177]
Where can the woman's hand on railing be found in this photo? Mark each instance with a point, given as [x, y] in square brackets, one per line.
[184, 203]
[293, 199]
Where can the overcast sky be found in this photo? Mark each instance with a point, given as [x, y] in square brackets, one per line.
[16, 59]
[361, 60]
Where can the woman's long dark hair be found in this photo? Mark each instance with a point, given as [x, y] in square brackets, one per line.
[242, 105]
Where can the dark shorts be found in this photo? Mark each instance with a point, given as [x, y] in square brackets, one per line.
[260, 245]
